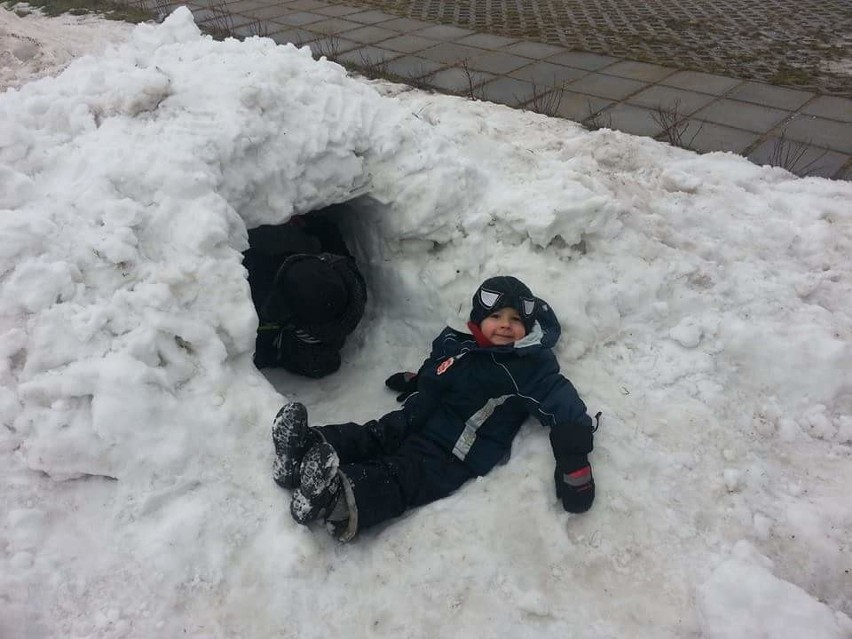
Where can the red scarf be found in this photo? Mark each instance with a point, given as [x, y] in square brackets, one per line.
[483, 341]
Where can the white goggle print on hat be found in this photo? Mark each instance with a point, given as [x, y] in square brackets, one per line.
[490, 298]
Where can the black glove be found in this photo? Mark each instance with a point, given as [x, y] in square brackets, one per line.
[575, 485]
[404, 383]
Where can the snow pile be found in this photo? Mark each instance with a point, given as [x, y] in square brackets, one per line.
[706, 310]
[34, 46]
[123, 253]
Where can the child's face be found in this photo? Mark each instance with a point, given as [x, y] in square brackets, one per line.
[503, 327]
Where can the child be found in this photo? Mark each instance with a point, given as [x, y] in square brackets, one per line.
[461, 413]
[308, 293]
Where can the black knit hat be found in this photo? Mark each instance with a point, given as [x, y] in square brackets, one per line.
[500, 292]
[313, 289]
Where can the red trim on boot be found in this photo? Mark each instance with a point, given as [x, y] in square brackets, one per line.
[478, 336]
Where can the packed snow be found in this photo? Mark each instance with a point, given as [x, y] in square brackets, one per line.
[33, 46]
[706, 306]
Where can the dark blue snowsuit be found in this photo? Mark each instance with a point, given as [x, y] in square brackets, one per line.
[469, 405]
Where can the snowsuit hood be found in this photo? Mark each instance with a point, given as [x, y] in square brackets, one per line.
[544, 334]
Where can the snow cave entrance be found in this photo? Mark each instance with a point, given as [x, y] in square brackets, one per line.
[353, 227]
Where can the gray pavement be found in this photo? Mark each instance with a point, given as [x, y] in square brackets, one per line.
[805, 131]
[799, 43]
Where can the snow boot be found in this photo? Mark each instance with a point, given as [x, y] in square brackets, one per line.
[320, 490]
[292, 438]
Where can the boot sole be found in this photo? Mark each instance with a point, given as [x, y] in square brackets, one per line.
[317, 489]
[290, 436]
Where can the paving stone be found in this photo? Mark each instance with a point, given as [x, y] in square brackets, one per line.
[508, 91]
[266, 13]
[238, 24]
[683, 134]
[714, 137]
[742, 115]
[245, 6]
[630, 119]
[456, 80]
[412, 67]
[606, 86]
[639, 71]
[534, 50]
[230, 5]
[830, 107]
[830, 134]
[332, 47]
[547, 74]
[367, 56]
[486, 41]
[580, 107]
[701, 82]
[451, 53]
[203, 15]
[769, 95]
[444, 32]
[337, 10]
[685, 102]
[211, 20]
[405, 25]
[259, 28]
[845, 173]
[299, 19]
[307, 5]
[409, 43]
[497, 62]
[247, 14]
[580, 60]
[304, 5]
[371, 34]
[370, 17]
[214, 20]
[332, 26]
[798, 158]
[299, 37]
[545, 100]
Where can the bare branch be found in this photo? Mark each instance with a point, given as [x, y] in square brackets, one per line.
[674, 124]
[546, 100]
[597, 120]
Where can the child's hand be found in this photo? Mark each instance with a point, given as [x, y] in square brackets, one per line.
[575, 488]
[404, 383]
[575, 485]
